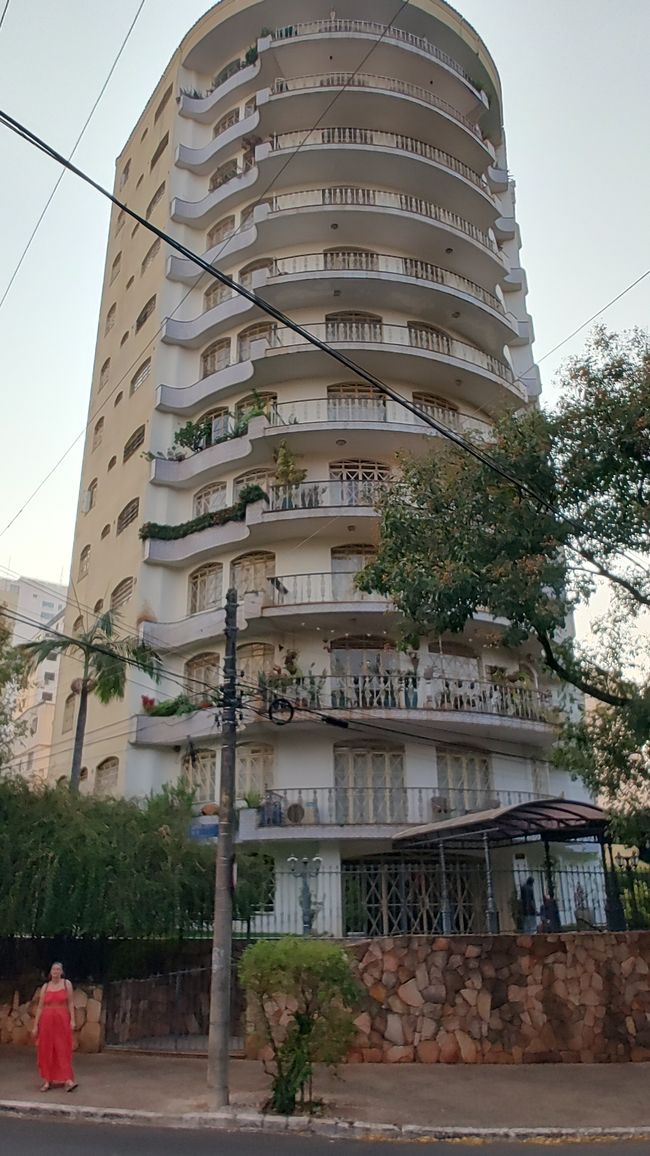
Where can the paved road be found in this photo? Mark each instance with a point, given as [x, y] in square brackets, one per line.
[54, 1138]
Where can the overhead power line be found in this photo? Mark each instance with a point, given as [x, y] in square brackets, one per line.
[4, 13]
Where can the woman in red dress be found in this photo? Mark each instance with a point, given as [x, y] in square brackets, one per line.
[53, 1027]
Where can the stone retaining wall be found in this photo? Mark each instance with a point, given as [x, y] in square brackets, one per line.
[575, 998]
[17, 1019]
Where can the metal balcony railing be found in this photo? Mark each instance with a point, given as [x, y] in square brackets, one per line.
[380, 804]
[377, 333]
[369, 136]
[321, 495]
[368, 410]
[355, 261]
[377, 31]
[407, 690]
[350, 196]
[311, 589]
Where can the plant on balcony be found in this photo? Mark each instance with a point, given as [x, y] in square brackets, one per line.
[287, 472]
[235, 513]
[169, 707]
[250, 56]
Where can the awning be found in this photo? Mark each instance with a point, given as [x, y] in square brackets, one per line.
[556, 820]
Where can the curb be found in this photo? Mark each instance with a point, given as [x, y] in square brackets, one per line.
[231, 1120]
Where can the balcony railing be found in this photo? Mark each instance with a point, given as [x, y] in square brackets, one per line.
[369, 136]
[356, 261]
[411, 691]
[377, 333]
[376, 30]
[311, 589]
[381, 804]
[321, 495]
[368, 410]
[350, 196]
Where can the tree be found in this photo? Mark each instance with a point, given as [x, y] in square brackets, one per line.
[255, 887]
[106, 661]
[315, 980]
[566, 508]
[12, 677]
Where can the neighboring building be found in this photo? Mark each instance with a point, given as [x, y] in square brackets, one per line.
[35, 714]
[35, 601]
[389, 230]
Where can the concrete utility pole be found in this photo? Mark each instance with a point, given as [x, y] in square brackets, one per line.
[219, 1030]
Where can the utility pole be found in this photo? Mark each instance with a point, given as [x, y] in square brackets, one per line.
[219, 1030]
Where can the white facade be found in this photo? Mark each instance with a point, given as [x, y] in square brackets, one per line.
[33, 601]
[35, 707]
[389, 231]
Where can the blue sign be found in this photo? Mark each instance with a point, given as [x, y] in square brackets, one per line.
[204, 828]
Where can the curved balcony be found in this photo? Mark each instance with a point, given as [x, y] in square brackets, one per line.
[220, 148]
[185, 632]
[293, 281]
[382, 98]
[219, 200]
[207, 108]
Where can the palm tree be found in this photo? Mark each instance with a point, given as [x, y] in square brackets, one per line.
[105, 662]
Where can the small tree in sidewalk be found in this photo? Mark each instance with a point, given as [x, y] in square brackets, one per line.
[315, 980]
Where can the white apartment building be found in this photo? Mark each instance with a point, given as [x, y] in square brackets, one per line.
[35, 707]
[33, 601]
[352, 169]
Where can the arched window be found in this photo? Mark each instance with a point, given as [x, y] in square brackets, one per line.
[226, 122]
[111, 317]
[428, 337]
[124, 338]
[259, 332]
[347, 561]
[130, 282]
[229, 70]
[221, 231]
[122, 593]
[133, 444]
[201, 676]
[198, 773]
[353, 656]
[353, 326]
[215, 357]
[218, 422]
[78, 625]
[91, 495]
[98, 434]
[112, 463]
[106, 775]
[255, 658]
[222, 175]
[254, 402]
[464, 779]
[158, 152]
[439, 408]
[155, 200]
[150, 255]
[355, 482]
[254, 769]
[215, 295]
[104, 373]
[369, 783]
[99, 606]
[118, 398]
[145, 313]
[246, 274]
[205, 588]
[251, 572]
[84, 562]
[263, 478]
[119, 221]
[354, 401]
[140, 376]
[127, 515]
[164, 101]
[115, 268]
[67, 721]
[363, 260]
[209, 499]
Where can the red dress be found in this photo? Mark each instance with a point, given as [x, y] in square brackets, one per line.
[54, 1047]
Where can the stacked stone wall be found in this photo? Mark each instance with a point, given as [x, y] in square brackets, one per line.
[17, 1019]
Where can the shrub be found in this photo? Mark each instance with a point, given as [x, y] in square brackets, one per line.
[316, 978]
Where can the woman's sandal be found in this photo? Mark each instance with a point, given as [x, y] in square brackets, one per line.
[46, 1087]
[71, 1087]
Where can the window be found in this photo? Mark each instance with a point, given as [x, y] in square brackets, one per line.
[226, 122]
[104, 373]
[157, 197]
[140, 376]
[115, 268]
[144, 135]
[124, 338]
[198, 773]
[247, 215]
[159, 152]
[110, 319]
[67, 721]
[209, 499]
[464, 779]
[220, 424]
[106, 778]
[149, 256]
[254, 769]
[83, 775]
[47, 696]
[428, 337]
[164, 101]
[221, 231]
[140, 180]
[254, 658]
[355, 483]
[215, 357]
[350, 326]
[369, 783]
[118, 398]
[346, 563]
[122, 593]
[246, 274]
[145, 313]
[263, 478]
[98, 434]
[127, 515]
[99, 606]
[259, 332]
[252, 401]
[222, 175]
[135, 228]
[91, 495]
[84, 562]
[125, 173]
[105, 531]
[33, 725]
[47, 605]
[439, 408]
[355, 402]
[78, 625]
[201, 677]
[49, 676]
[133, 444]
[130, 282]
[215, 295]
[205, 588]
[119, 223]
[229, 70]
[251, 573]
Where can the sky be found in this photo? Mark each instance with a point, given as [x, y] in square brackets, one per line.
[574, 75]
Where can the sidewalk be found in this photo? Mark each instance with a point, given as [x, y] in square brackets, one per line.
[565, 1096]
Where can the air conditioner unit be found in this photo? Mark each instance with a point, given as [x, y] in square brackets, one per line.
[295, 814]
